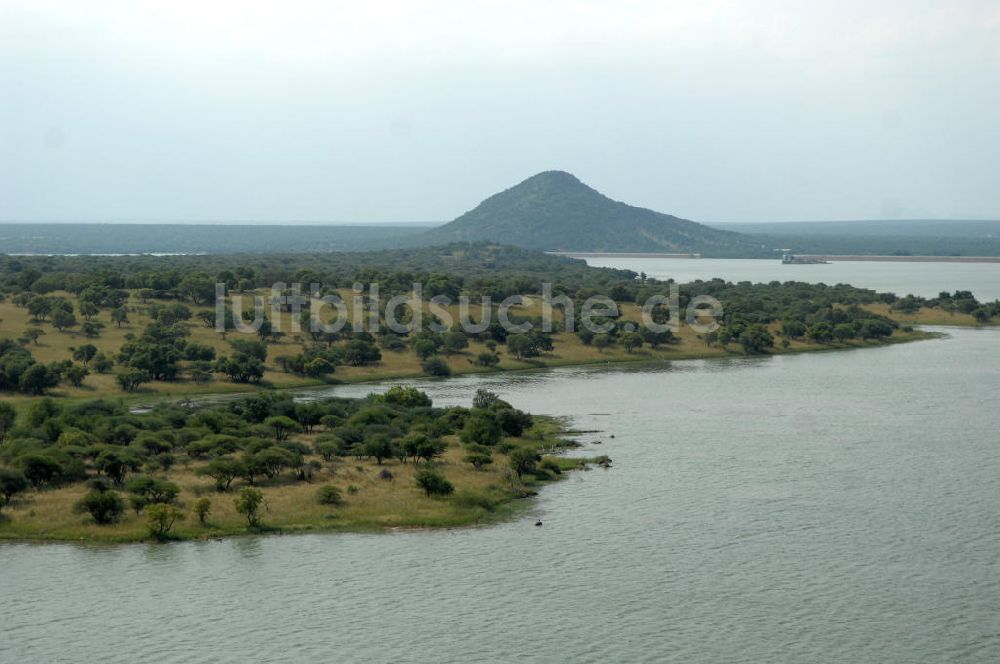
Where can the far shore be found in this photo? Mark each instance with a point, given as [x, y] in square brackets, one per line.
[905, 259]
[818, 257]
[145, 401]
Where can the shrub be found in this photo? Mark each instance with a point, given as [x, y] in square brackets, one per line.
[106, 507]
[433, 483]
[11, 482]
[523, 460]
[160, 519]
[756, 339]
[487, 359]
[421, 446]
[379, 446]
[329, 446]
[482, 428]
[153, 489]
[131, 380]
[248, 503]
[223, 471]
[138, 503]
[478, 460]
[202, 508]
[435, 365]
[409, 397]
[41, 469]
[359, 352]
[513, 422]
[486, 399]
[7, 418]
[273, 460]
[424, 348]
[282, 426]
[116, 463]
[329, 495]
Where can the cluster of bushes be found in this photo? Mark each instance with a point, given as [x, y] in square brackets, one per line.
[957, 302]
[477, 269]
[59, 311]
[822, 326]
[626, 334]
[20, 372]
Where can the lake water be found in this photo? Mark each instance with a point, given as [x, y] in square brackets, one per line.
[828, 507]
[924, 279]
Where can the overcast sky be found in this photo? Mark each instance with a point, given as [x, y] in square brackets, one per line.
[387, 111]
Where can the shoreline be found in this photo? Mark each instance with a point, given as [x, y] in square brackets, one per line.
[136, 401]
[875, 258]
[554, 435]
[902, 259]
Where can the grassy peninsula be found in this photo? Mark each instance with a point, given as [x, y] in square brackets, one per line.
[144, 327]
[389, 461]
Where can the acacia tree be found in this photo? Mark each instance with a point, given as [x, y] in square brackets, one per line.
[75, 374]
[523, 460]
[11, 482]
[519, 345]
[160, 519]
[435, 365]
[39, 307]
[88, 309]
[223, 470]
[756, 339]
[379, 446]
[153, 489]
[37, 378]
[202, 508]
[131, 380]
[248, 503]
[106, 507]
[273, 460]
[421, 446]
[7, 418]
[119, 316]
[433, 483]
[282, 426]
[479, 459]
[62, 319]
[630, 341]
[116, 462]
[41, 469]
[482, 427]
[84, 353]
[32, 334]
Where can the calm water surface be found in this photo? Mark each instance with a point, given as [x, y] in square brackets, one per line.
[831, 507]
[924, 279]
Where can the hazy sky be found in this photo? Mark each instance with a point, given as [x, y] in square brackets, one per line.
[380, 111]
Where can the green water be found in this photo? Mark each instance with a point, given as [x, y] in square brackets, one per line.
[829, 507]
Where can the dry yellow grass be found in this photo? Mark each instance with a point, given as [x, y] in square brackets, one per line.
[924, 316]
